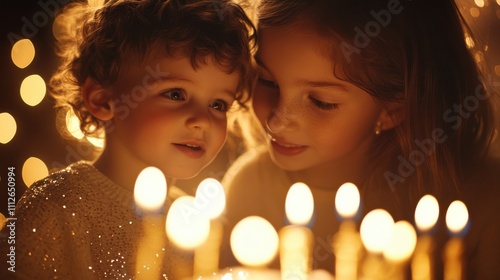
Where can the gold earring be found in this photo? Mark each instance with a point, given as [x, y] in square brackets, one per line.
[378, 128]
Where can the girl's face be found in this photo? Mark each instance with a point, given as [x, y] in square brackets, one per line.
[313, 118]
[169, 115]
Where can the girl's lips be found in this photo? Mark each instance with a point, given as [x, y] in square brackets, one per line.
[286, 148]
[191, 150]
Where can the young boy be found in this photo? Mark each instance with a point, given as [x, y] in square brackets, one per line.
[158, 77]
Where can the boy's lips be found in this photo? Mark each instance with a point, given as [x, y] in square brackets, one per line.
[193, 149]
[285, 148]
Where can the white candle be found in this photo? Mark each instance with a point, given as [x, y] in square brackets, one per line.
[376, 232]
[457, 218]
[400, 249]
[426, 216]
[211, 200]
[150, 192]
[347, 242]
[296, 240]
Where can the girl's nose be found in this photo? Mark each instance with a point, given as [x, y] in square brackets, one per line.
[199, 119]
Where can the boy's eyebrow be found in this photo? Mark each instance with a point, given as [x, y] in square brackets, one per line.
[160, 78]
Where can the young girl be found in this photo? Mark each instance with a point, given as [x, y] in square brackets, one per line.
[159, 77]
[383, 94]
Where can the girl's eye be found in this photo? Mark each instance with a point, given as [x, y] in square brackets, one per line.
[267, 83]
[220, 105]
[323, 105]
[175, 94]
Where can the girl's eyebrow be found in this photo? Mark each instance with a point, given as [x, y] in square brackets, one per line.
[321, 84]
[307, 83]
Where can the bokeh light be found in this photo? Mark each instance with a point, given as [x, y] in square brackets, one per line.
[73, 125]
[8, 127]
[376, 230]
[479, 3]
[23, 53]
[186, 227]
[254, 241]
[34, 169]
[33, 90]
[457, 216]
[150, 189]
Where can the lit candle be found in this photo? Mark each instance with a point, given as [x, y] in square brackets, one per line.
[296, 240]
[187, 229]
[426, 216]
[400, 249]
[150, 192]
[347, 242]
[376, 232]
[457, 218]
[211, 200]
[254, 242]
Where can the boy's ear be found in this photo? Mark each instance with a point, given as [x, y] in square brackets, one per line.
[97, 100]
[392, 115]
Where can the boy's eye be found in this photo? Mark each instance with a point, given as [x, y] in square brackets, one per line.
[323, 105]
[267, 83]
[175, 94]
[220, 105]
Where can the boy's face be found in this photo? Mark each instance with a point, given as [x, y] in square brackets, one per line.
[171, 116]
[316, 119]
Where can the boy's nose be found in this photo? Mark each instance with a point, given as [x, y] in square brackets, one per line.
[199, 120]
[280, 118]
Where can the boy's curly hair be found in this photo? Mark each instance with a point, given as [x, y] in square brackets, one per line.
[98, 42]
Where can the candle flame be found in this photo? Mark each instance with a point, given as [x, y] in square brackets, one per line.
[376, 230]
[426, 213]
[254, 241]
[457, 216]
[347, 200]
[186, 226]
[211, 198]
[150, 189]
[403, 242]
[299, 204]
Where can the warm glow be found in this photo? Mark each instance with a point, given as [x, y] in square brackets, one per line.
[33, 170]
[469, 42]
[474, 12]
[211, 198]
[33, 90]
[95, 3]
[23, 53]
[150, 189]
[347, 200]
[254, 241]
[8, 127]
[95, 141]
[479, 3]
[426, 213]
[73, 125]
[376, 230]
[403, 241]
[299, 204]
[457, 216]
[186, 227]
[497, 69]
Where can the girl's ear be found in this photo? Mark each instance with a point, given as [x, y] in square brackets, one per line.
[97, 100]
[391, 116]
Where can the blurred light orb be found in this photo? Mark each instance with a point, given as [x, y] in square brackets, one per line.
[33, 90]
[73, 125]
[254, 241]
[8, 127]
[376, 230]
[34, 169]
[23, 53]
